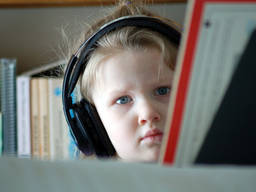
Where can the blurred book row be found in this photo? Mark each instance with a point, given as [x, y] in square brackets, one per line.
[32, 122]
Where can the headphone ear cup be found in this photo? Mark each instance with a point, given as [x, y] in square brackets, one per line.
[83, 139]
[101, 142]
[89, 131]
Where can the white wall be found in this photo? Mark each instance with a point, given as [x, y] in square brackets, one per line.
[32, 35]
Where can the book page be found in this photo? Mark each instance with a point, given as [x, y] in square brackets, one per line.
[224, 32]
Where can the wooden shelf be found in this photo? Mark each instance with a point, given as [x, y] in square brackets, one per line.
[56, 3]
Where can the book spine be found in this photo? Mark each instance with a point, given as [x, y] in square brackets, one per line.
[44, 118]
[23, 116]
[61, 142]
[1, 121]
[1, 82]
[1, 137]
[52, 124]
[67, 140]
[34, 116]
[58, 146]
[8, 105]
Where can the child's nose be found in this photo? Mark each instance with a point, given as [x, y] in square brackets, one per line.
[147, 113]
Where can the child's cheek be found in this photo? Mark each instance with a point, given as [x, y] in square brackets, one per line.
[120, 109]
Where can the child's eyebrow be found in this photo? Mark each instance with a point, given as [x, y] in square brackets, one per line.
[160, 79]
[118, 92]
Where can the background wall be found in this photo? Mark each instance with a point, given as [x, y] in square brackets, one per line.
[33, 35]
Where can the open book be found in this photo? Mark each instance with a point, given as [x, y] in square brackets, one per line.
[212, 55]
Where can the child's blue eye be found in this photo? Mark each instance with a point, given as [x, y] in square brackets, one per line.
[123, 100]
[162, 91]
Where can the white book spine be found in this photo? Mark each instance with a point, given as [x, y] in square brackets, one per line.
[23, 116]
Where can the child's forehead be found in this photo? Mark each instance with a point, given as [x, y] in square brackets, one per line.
[134, 61]
[131, 67]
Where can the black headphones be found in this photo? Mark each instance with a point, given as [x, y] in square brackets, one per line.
[82, 117]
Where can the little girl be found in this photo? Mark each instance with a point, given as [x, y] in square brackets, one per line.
[128, 80]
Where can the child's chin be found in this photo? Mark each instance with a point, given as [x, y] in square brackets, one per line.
[152, 156]
[145, 159]
[149, 154]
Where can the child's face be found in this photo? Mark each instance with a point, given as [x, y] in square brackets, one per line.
[132, 100]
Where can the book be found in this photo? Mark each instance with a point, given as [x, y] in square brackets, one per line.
[1, 137]
[216, 34]
[8, 105]
[59, 138]
[34, 116]
[23, 117]
[44, 132]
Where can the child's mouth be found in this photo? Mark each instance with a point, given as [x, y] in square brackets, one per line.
[153, 136]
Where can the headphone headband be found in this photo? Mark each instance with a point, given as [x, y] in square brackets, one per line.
[78, 61]
[138, 21]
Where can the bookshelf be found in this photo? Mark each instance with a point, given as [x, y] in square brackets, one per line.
[49, 3]
[112, 176]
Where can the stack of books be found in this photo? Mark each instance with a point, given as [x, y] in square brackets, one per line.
[33, 123]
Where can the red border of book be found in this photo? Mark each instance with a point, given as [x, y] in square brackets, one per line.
[187, 62]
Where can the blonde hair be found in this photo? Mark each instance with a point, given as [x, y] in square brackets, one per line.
[126, 38]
